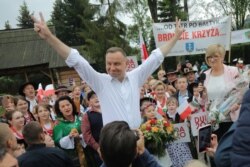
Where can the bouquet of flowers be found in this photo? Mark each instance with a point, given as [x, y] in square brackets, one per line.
[157, 133]
[219, 109]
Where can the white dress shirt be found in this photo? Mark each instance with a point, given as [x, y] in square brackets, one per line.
[118, 100]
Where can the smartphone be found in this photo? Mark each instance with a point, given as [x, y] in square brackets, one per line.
[204, 137]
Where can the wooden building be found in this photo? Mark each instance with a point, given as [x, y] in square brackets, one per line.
[24, 53]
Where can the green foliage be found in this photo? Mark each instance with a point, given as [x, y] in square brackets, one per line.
[240, 8]
[24, 20]
[65, 18]
[169, 9]
[79, 23]
[9, 84]
[237, 8]
[7, 25]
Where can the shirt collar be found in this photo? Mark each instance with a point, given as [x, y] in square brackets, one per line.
[186, 94]
[115, 79]
[35, 146]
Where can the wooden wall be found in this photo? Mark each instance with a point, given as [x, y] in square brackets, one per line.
[68, 77]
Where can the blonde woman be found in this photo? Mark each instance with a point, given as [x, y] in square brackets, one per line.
[219, 80]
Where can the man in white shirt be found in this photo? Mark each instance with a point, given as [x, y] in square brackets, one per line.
[118, 91]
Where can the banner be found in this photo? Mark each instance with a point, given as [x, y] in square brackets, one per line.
[240, 36]
[183, 133]
[198, 120]
[132, 63]
[197, 36]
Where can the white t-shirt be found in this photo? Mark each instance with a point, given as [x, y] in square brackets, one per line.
[216, 87]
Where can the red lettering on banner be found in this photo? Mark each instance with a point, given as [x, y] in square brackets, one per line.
[200, 121]
[182, 132]
[168, 36]
[196, 120]
[184, 35]
[213, 32]
[131, 64]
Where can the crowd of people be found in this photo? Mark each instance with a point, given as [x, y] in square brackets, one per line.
[97, 123]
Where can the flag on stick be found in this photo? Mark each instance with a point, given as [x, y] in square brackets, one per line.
[49, 90]
[184, 110]
[144, 53]
[40, 92]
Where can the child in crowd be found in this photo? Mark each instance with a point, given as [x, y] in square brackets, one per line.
[76, 93]
[23, 105]
[199, 98]
[182, 94]
[161, 96]
[44, 118]
[8, 103]
[16, 121]
[179, 153]
[149, 111]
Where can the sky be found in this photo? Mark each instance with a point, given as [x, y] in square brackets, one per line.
[9, 10]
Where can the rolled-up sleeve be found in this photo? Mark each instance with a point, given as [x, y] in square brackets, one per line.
[85, 70]
[73, 58]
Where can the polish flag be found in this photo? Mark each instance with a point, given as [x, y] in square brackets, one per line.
[39, 92]
[161, 112]
[144, 53]
[49, 90]
[184, 110]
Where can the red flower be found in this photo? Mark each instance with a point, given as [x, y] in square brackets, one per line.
[166, 124]
[148, 127]
[153, 121]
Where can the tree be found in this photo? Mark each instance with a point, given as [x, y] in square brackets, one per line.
[24, 20]
[186, 8]
[7, 25]
[152, 4]
[91, 26]
[105, 31]
[169, 9]
[216, 8]
[141, 22]
[237, 8]
[65, 18]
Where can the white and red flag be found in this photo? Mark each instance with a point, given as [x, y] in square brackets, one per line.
[49, 90]
[184, 110]
[39, 92]
[144, 52]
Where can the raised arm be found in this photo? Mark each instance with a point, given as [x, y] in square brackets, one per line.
[43, 31]
[165, 49]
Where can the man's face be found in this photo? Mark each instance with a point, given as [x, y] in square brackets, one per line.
[29, 91]
[171, 77]
[116, 65]
[83, 85]
[191, 77]
[62, 93]
[182, 84]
